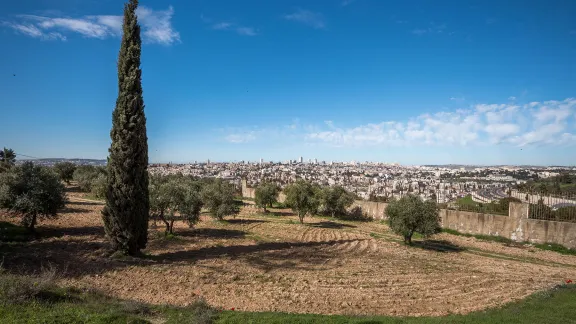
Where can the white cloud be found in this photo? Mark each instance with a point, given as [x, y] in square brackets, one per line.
[156, 26]
[229, 26]
[306, 17]
[241, 137]
[511, 98]
[547, 123]
[433, 28]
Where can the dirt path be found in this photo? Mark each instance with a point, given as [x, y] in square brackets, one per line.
[273, 263]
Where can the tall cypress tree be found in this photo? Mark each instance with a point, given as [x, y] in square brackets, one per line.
[127, 203]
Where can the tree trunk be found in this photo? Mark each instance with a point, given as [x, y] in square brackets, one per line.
[31, 227]
[161, 216]
[301, 217]
[172, 227]
[408, 238]
[265, 211]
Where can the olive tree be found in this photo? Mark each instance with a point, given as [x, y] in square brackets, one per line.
[266, 195]
[335, 200]
[218, 197]
[172, 199]
[410, 214]
[302, 197]
[33, 192]
[65, 170]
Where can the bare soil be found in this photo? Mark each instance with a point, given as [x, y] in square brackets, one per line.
[272, 263]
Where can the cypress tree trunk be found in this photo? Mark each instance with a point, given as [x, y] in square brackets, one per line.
[127, 203]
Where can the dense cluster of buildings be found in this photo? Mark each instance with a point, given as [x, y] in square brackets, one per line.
[373, 180]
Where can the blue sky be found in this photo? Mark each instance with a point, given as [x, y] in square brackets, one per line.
[415, 82]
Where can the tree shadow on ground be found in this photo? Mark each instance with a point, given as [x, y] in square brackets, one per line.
[266, 256]
[72, 210]
[49, 231]
[330, 224]
[438, 246]
[85, 203]
[281, 213]
[73, 188]
[246, 221]
[213, 233]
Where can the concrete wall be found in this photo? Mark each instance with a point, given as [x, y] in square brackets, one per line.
[376, 210]
[251, 192]
[516, 226]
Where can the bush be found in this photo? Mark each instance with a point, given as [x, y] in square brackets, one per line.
[99, 186]
[411, 215]
[16, 289]
[32, 192]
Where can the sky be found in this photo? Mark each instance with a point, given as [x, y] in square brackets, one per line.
[413, 82]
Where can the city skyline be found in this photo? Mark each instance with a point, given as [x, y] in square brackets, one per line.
[414, 83]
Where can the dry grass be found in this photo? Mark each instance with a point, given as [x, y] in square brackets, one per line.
[271, 263]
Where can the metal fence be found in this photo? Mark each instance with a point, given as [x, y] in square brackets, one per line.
[557, 207]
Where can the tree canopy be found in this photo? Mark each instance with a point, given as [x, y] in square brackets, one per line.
[335, 200]
[410, 214]
[33, 192]
[302, 197]
[218, 197]
[266, 195]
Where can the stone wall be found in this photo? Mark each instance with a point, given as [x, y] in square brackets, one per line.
[376, 210]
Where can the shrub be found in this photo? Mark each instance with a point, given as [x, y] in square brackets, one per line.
[87, 175]
[410, 215]
[32, 192]
[16, 289]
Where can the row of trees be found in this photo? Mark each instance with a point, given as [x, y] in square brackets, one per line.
[306, 198]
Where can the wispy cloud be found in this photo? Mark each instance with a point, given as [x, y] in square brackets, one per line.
[433, 28]
[308, 18]
[345, 3]
[230, 26]
[536, 123]
[156, 26]
[457, 98]
[511, 98]
[550, 123]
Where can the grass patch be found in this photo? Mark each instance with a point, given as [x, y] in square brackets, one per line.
[14, 233]
[491, 238]
[556, 248]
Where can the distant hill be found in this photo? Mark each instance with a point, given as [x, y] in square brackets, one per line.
[52, 161]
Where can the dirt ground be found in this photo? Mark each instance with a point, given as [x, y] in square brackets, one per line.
[273, 263]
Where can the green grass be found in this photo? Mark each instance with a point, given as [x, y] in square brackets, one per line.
[543, 246]
[467, 201]
[556, 248]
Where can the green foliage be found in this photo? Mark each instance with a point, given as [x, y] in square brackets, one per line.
[7, 159]
[86, 175]
[65, 170]
[32, 192]
[218, 197]
[99, 186]
[303, 197]
[127, 207]
[356, 214]
[556, 248]
[410, 214]
[335, 200]
[500, 207]
[266, 195]
[21, 289]
[173, 198]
